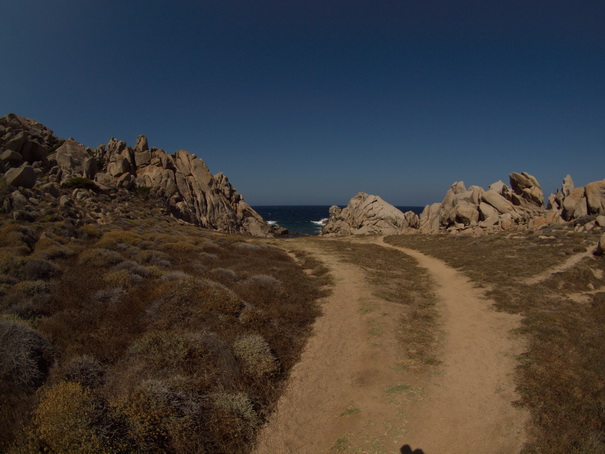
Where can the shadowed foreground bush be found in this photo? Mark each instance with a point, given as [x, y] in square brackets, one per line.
[25, 356]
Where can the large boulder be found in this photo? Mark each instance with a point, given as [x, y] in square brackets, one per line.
[497, 201]
[574, 205]
[368, 215]
[23, 175]
[595, 197]
[75, 161]
[12, 158]
[527, 187]
[429, 221]
[142, 144]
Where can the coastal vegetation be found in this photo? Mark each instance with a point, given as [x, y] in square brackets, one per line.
[145, 335]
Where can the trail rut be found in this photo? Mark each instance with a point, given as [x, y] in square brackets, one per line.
[347, 395]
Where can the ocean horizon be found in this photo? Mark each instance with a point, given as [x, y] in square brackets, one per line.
[305, 219]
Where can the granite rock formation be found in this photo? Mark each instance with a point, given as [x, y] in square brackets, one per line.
[474, 209]
[32, 157]
[368, 214]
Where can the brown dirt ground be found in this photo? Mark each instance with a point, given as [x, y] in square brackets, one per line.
[348, 393]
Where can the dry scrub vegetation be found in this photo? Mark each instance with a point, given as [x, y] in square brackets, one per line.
[561, 377]
[145, 336]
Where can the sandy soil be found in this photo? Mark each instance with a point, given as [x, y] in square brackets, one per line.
[349, 394]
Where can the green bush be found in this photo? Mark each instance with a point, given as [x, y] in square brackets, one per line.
[78, 182]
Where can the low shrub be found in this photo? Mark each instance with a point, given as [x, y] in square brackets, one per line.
[100, 257]
[89, 232]
[71, 418]
[225, 274]
[25, 355]
[167, 350]
[28, 299]
[81, 183]
[180, 246]
[235, 412]
[108, 295]
[55, 252]
[133, 268]
[194, 303]
[16, 236]
[31, 288]
[149, 419]
[12, 261]
[264, 280]
[122, 278]
[175, 275]
[153, 271]
[152, 257]
[85, 370]
[114, 238]
[255, 354]
[34, 269]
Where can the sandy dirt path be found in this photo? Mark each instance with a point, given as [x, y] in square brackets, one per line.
[467, 407]
[347, 394]
[337, 397]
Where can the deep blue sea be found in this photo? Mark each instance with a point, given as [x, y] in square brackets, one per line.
[304, 219]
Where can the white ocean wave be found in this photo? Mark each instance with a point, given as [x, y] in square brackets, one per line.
[271, 222]
[320, 222]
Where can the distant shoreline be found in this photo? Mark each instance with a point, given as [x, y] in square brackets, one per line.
[305, 219]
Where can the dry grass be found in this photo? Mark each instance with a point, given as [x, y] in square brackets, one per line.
[560, 376]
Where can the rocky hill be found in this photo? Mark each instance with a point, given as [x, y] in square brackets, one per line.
[48, 176]
[474, 209]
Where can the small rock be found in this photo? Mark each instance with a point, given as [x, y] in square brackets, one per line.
[18, 201]
[601, 245]
[52, 189]
[65, 201]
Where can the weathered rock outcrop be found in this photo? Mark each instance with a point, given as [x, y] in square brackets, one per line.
[182, 180]
[496, 208]
[500, 207]
[572, 203]
[368, 214]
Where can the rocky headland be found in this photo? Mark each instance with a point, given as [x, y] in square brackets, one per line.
[476, 210]
[49, 177]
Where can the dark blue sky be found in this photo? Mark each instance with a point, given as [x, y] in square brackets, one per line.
[310, 102]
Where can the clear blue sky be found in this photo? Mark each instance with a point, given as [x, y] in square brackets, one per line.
[310, 102]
